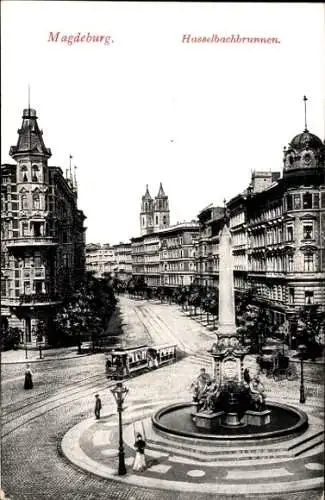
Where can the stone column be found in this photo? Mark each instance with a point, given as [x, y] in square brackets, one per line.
[227, 324]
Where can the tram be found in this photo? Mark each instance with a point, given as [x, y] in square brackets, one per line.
[123, 363]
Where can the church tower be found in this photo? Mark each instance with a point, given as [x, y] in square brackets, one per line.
[146, 214]
[161, 217]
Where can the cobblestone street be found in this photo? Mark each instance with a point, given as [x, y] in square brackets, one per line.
[34, 423]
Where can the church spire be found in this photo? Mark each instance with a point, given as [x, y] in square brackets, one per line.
[161, 192]
[147, 195]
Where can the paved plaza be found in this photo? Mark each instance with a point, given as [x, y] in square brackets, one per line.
[53, 447]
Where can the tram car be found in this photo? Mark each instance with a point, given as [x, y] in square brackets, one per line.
[123, 363]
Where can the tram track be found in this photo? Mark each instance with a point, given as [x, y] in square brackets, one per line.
[160, 327]
[16, 406]
[51, 404]
[13, 411]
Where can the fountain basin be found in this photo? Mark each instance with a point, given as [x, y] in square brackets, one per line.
[286, 422]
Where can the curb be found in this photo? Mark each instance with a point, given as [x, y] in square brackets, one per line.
[74, 454]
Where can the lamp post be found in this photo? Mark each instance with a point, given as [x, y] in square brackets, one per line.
[119, 392]
[302, 350]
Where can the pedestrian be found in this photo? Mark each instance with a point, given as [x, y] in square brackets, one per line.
[98, 406]
[28, 378]
[139, 463]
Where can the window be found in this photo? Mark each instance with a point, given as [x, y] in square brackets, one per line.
[36, 201]
[38, 286]
[289, 202]
[297, 202]
[308, 231]
[309, 297]
[25, 228]
[307, 200]
[27, 288]
[322, 198]
[308, 262]
[24, 202]
[290, 263]
[316, 200]
[164, 220]
[289, 233]
[156, 219]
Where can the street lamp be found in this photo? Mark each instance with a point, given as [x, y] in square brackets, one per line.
[119, 392]
[302, 350]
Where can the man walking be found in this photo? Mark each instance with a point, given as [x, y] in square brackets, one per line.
[98, 406]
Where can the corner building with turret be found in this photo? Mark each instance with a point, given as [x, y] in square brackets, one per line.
[277, 226]
[42, 233]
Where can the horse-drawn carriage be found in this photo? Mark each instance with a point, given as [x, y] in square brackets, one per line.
[274, 362]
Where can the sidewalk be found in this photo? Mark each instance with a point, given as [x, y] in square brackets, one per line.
[33, 355]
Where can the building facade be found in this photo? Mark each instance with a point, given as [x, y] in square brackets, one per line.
[123, 261]
[166, 258]
[177, 254]
[100, 259]
[43, 233]
[277, 226]
[211, 220]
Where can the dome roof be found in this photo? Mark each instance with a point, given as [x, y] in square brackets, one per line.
[300, 141]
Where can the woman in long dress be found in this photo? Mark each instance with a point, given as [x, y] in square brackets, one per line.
[28, 378]
[139, 463]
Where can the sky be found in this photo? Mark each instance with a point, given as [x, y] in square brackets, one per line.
[149, 108]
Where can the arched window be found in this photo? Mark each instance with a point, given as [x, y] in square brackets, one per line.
[34, 173]
[23, 170]
[24, 202]
[36, 201]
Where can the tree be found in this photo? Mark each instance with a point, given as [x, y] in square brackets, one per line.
[10, 338]
[310, 325]
[87, 313]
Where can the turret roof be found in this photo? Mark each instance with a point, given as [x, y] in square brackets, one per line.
[30, 138]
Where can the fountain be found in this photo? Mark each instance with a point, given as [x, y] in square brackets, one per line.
[231, 405]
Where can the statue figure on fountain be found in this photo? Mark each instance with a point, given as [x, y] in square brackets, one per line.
[257, 393]
[205, 392]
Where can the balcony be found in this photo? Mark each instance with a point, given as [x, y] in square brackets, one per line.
[31, 300]
[27, 241]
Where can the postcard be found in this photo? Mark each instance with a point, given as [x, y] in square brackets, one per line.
[162, 250]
